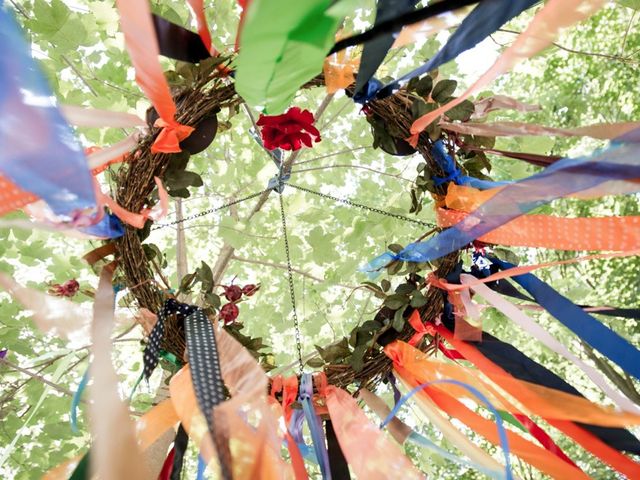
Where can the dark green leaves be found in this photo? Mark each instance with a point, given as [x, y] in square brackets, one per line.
[177, 179]
[443, 90]
[462, 111]
[424, 86]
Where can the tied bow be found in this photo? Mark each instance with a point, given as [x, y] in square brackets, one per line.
[169, 138]
[420, 328]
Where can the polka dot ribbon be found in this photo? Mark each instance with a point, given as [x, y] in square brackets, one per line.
[206, 375]
[152, 351]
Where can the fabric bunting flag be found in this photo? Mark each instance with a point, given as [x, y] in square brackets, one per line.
[283, 45]
[140, 39]
[40, 154]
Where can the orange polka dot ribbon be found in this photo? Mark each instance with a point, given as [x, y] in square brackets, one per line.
[616, 234]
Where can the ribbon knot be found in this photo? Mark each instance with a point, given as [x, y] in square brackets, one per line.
[368, 92]
[420, 328]
[170, 136]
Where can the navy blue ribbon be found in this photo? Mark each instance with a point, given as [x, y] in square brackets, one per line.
[586, 327]
[375, 50]
[484, 20]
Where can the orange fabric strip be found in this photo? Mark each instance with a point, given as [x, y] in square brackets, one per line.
[197, 7]
[540, 458]
[542, 401]
[152, 425]
[13, 197]
[618, 234]
[142, 45]
[588, 441]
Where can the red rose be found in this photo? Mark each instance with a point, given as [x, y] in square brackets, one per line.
[232, 292]
[229, 312]
[250, 289]
[288, 131]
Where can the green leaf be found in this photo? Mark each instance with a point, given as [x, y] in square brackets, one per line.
[213, 300]
[462, 111]
[395, 247]
[405, 289]
[418, 300]
[205, 276]
[424, 86]
[506, 255]
[315, 362]
[385, 284]
[187, 280]
[396, 301]
[443, 90]
[356, 360]
[398, 320]
[370, 326]
[394, 267]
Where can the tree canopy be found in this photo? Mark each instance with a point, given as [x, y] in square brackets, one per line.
[590, 75]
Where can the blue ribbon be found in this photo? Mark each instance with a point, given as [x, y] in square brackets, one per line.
[368, 92]
[374, 267]
[45, 158]
[564, 177]
[504, 441]
[375, 50]
[422, 441]
[295, 428]
[109, 227]
[75, 401]
[454, 174]
[201, 468]
[586, 327]
[484, 20]
[315, 426]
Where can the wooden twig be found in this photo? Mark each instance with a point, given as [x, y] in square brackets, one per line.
[35, 376]
[302, 170]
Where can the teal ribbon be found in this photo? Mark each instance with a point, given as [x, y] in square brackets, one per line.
[75, 402]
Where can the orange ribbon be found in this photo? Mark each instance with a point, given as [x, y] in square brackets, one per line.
[136, 220]
[589, 441]
[297, 462]
[413, 368]
[142, 45]
[617, 234]
[421, 329]
[169, 138]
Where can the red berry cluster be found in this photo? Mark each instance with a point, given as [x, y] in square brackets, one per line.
[67, 289]
[229, 312]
